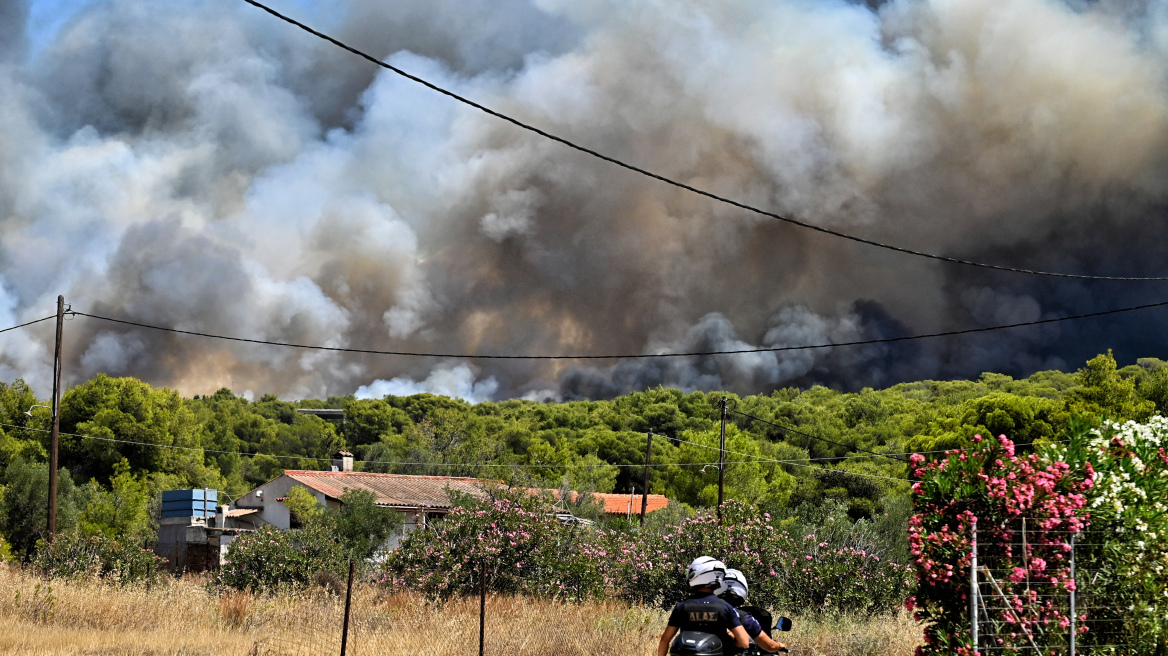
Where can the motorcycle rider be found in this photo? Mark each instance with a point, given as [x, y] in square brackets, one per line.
[734, 590]
[703, 611]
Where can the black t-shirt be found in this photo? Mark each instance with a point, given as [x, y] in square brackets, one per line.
[752, 626]
[705, 612]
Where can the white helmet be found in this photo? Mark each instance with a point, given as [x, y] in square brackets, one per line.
[705, 571]
[733, 588]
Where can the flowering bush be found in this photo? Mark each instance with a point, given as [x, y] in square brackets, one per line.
[270, 559]
[71, 555]
[521, 547]
[1126, 552]
[837, 568]
[989, 487]
[526, 550]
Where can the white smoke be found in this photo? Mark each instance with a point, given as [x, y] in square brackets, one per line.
[457, 381]
[206, 167]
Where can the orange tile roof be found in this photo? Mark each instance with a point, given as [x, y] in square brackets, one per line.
[397, 490]
[618, 504]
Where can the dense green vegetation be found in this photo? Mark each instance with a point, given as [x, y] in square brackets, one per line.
[317, 551]
[132, 430]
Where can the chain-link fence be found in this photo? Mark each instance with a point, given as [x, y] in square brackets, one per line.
[1033, 592]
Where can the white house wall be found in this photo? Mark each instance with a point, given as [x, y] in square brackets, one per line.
[276, 513]
[413, 521]
[272, 512]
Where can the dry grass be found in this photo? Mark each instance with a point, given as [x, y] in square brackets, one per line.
[184, 618]
[853, 636]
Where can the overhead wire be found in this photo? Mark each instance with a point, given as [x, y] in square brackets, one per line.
[473, 356]
[756, 459]
[786, 429]
[847, 472]
[28, 323]
[369, 462]
[681, 185]
[445, 464]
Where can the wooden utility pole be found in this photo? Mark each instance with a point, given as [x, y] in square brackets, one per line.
[645, 486]
[722, 459]
[348, 602]
[55, 433]
[482, 608]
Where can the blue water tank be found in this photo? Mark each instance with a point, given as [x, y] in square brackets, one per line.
[189, 503]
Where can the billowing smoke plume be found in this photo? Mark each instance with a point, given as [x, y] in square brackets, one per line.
[203, 166]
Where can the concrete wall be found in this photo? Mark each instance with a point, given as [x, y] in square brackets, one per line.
[188, 546]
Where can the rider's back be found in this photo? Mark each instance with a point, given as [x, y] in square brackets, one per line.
[702, 621]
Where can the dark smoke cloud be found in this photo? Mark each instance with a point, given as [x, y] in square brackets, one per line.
[13, 38]
[203, 166]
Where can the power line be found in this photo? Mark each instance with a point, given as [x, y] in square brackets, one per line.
[461, 465]
[796, 462]
[770, 349]
[51, 316]
[681, 185]
[816, 437]
[849, 473]
[367, 462]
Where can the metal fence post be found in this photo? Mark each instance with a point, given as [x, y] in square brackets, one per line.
[1074, 587]
[482, 609]
[973, 586]
[348, 601]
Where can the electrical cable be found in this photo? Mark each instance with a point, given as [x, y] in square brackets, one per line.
[771, 349]
[368, 462]
[755, 458]
[51, 316]
[682, 185]
[451, 464]
[796, 462]
[849, 473]
[815, 437]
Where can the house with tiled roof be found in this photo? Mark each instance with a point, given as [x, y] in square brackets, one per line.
[618, 505]
[630, 504]
[418, 498]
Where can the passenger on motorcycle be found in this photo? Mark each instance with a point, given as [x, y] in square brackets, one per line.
[703, 611]
[734, 590]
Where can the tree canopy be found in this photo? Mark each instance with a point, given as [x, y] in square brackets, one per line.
[128, 440]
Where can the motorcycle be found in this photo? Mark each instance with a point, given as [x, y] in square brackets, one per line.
[767, 623]
[699, 643]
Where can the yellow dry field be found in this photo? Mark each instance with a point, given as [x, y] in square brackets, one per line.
[183, 617]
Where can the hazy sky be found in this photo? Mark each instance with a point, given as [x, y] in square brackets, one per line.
[204, 166]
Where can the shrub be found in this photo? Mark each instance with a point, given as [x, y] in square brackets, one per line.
[526, 550]
[988, 486]
[835, 568]
[24, 504]
[1109, 485]
[71, 555]
[1126, 551]
[361, 525]
[271, 559]
[522, 548]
